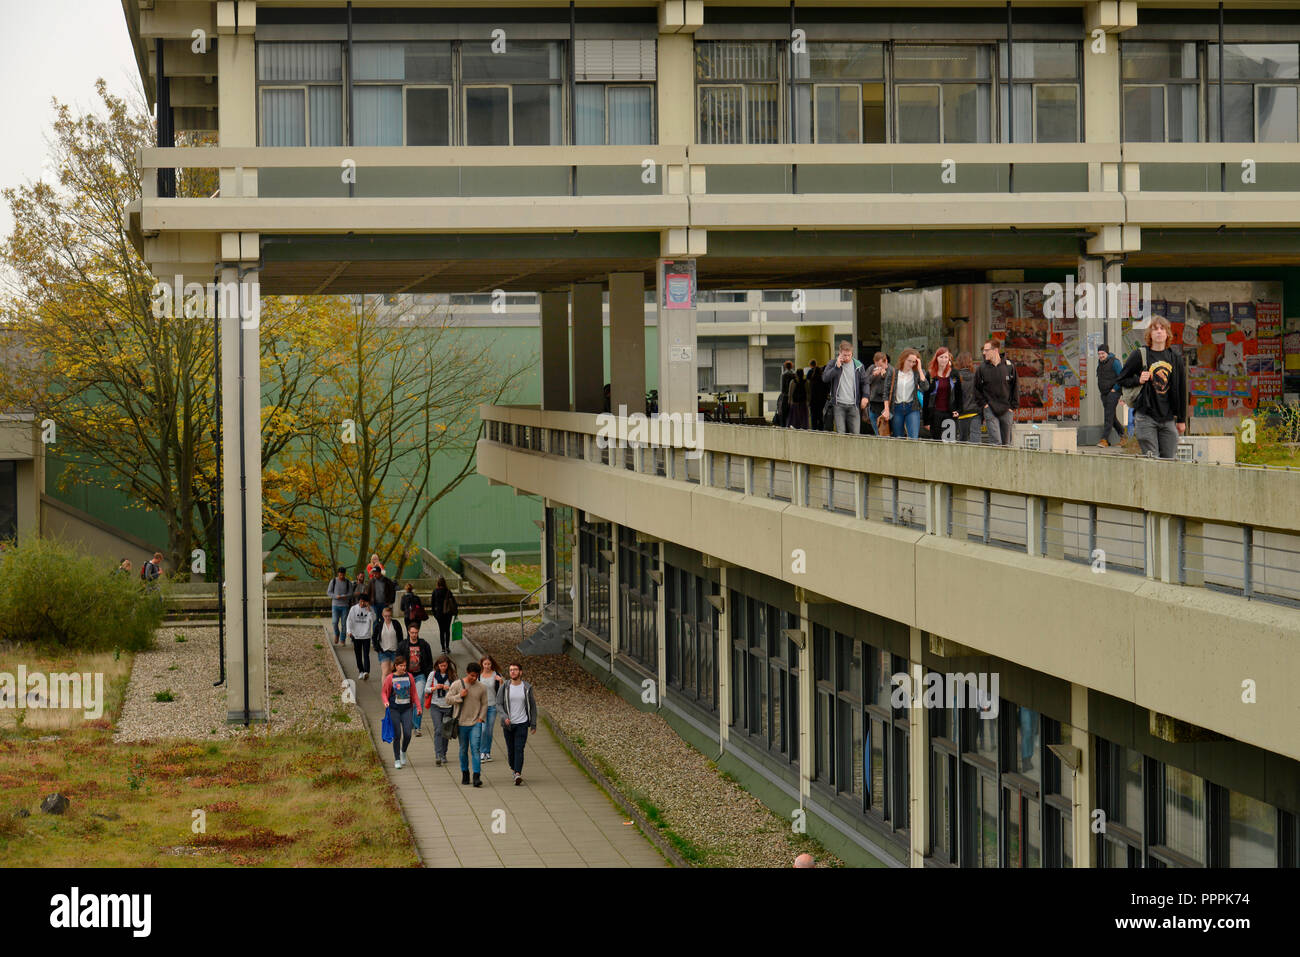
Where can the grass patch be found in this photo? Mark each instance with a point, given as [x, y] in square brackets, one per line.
[115, 666]
[180, 637]
[527, 577]
[164, 696]
[685, 847]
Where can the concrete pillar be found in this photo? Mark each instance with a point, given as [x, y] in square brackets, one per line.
[236, 90]
[242, 497]
[1055, 537]
[1102, 321]
[866, 324]
[1101, 90]
[677, 343]
[588, 348]
[918, 757]
[813, 341]
[1084, 781]
[675, 88]
[627, 342]
[723, 662]
[555, 351]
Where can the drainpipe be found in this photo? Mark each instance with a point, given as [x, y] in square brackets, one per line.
[1011, 107]
[1223, 167]
[221, 489]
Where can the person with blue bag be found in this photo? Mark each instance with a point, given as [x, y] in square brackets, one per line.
[1108, 387]
[402, 704]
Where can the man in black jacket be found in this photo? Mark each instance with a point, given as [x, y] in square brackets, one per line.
[1108, 367]
[381, 590]
[783, 400]
[817, 399]
[998, 391]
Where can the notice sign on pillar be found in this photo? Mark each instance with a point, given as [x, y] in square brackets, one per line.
[678, 290]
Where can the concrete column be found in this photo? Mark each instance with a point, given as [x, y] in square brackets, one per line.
[807, 704]
[627, 341]
[677, 345]
[724, 660]
[1100, 321]
[675, 89]
[242, 497]
[236, 91]
[555, 351]
[866, 324]
[1084, 784]
[1101, 89]
[813, 340]
[588, 348]
[661, 630]
[918, 757]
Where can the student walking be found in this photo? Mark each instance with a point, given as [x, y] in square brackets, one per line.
[419, 662]
[797, 401]
[783, 400]
[382, 590]
[817, 393]
[361, 626]
[403, 704]
[359, 587]
[998, 392]
[469, 706]
[491, 680]
[1108, 370]
[943, 401]
[443, 605]
[340, 595]
[847, 379]
[388, 635]
[905, 390]
[518, 718]
[1160, 403]
[436, 686]
[877, 385]
[968, 415]
[412, 608]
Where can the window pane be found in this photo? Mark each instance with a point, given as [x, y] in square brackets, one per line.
[630, 115]
[1024, 99]
[873, 113]
[941, 798]
[1239, 113]
[941, 62]
[1158, 61]
[284, 118]
[537, 116]
[966, 113]
[487, 120]
[282, 62]
[1254, 61]
[1277, 114]
[1036, 60]
[377, 120]
[522, 60]
[378, 61]
[720, 116]
[1184, 121]
[876, 745]
[988, 822]
[841, 61]
[918, 114]
[589, 106]
[1056, 114]
[803, 118]
[837, 114]
[736, 60]
[326, 115]
[1252, 833]
[1184, 813]
[426, 117]
[1144, 114]
[8, 500]
[762, 113]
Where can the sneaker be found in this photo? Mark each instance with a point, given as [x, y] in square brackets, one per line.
[437, 762]
[398, 764]
[519, 778]
[365, 675]
[1103, 444]
[417, 733]
[486, 756]
[404, 757]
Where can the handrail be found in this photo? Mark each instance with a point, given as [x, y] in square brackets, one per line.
[523, 600]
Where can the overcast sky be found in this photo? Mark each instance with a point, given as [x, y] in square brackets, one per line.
[54, 48]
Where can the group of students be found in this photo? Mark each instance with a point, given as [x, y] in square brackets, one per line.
[363, 609]
[959, 401]
[464, 708]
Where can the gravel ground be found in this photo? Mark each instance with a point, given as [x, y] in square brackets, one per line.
[717, 815]
[305, 690]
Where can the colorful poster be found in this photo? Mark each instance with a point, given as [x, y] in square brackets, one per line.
[1243, 317]
[1004, 307]
[1292, 351]
[1268, 319]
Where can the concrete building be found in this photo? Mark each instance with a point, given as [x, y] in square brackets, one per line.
[1132, 623]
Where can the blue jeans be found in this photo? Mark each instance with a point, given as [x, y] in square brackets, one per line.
[469, 746]
[419, 693]
[339, 622]
[905, 419]
[485, 744]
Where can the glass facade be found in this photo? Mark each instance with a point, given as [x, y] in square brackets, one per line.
[559, 549]
[692, 637]
[764, 675]
[638, 599]
[594, 543]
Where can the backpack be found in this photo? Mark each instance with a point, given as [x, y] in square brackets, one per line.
[449, 606]
[1130, 393]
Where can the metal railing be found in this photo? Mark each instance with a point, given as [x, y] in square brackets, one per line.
[540, 607]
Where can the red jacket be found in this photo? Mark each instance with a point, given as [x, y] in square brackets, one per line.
[386, 693]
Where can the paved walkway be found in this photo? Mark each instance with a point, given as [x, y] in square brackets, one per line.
[556, 818]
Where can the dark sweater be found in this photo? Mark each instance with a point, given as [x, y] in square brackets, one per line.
[1164, 395]
[997, 386]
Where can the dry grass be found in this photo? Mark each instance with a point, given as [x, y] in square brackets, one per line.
[115, 670]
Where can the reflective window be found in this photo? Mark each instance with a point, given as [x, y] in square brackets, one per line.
[1160, 92]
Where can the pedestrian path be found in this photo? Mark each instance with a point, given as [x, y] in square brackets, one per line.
[557, 818]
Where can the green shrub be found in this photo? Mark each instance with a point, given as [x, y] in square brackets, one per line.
[164, 696]
[51, 594]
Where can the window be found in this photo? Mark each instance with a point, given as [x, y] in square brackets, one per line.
[1160, 92]
[515, 99]
[840, 93]
[1252, 832]
[1179, 838]
[692, 638]
[1058, 799]
[738, 91]
[1021, 779]
[559, 545]
[8, 501]
[639, 599]
[1045, 77]
[617, 114]
[300, 94]
[765, 676]
[943, 93]
[594, 568]
[1119, 794]
[1260, 82]
[401, 94]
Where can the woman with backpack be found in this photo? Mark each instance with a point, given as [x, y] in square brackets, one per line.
[412, 608]
[443, 604]
[797, 401]
[1155, 388]
[436, 685]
